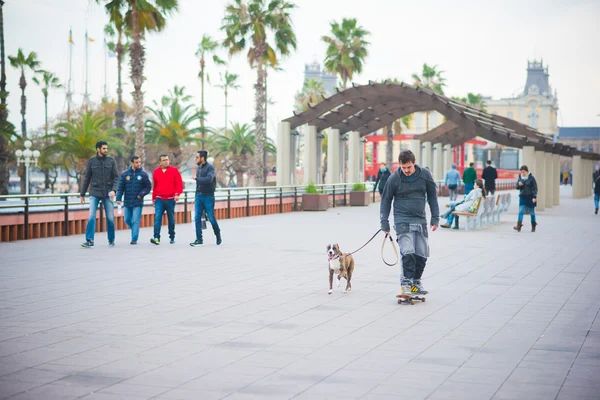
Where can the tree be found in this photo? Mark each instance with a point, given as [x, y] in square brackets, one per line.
[312, 93]
[76, 140]
[177, 94]
[472, 99]
[7, 129]
[23, 63]
[47, 81]
[347, 49]
[141, 16]
[117, 22]
[247, 24]
[239, 143]
[206, 47]
[431, 79]
[228, 81]
[172, 128]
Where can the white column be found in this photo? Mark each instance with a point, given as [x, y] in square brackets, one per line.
[555, 173]
[577, 174]
[415, 147]
[354, 157]
[283, 154]
[540, 176]
[310, 154]
[333, 156]
[550, 180]
[447, 159]
[438, 164]
[426, 161]
[587, 182]
[528, 158]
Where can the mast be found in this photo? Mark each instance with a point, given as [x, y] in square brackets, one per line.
[70, 80]
[86, 95]
[105, 97]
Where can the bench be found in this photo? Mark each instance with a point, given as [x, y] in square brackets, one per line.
[471, 217]
[502, 206]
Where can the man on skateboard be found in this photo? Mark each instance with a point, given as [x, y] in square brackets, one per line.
[409, 188]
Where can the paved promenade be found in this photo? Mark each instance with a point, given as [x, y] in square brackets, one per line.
[510, 316]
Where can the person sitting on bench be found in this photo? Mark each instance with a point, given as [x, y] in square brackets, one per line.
[463, 206]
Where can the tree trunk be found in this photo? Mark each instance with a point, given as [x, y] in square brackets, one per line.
[4, 173]
[119, 114]
[259, 123]
[137, 78]
[202, 111]
[46, 172]
[23, 85]
[239, 177]
[389, 150]
[46, 111]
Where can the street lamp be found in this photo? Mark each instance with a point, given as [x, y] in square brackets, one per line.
[29, 157]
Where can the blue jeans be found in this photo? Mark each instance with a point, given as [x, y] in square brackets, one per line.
[522, 212]
[206, 203]
[160, 206]
[468, 188]
[596, 200]
[133, 215]
[109, 209]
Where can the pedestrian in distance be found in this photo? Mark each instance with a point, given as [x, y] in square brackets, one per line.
[206, 183]
[469, 176]
[134, 184]
[168, 186]
[489, 176]
[382, 176]
[452, 182]
[528, 190]
[597, 192]
[102, 178]
[409, 188]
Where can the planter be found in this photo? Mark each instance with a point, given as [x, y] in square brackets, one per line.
[360, 198]
[315, 202]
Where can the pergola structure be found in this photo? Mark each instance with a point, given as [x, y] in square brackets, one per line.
[361, 110]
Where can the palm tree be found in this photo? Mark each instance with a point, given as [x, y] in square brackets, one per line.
[48, 81]
[76, 140]
[239, 143]
[312, 92]
[177, 94]
[247, 24]
[23, 63]
[6, 128]
[347, 49]
[228, 81]
[117, 20]
[431, 79]
[173, 129]
[141, 16]
[474, 100]
[206, 47]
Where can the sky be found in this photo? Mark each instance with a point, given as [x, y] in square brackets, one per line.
[482, 47]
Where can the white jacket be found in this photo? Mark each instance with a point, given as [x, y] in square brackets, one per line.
[469, 200]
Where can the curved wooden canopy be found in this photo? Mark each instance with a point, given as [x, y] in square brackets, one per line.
[367, 108]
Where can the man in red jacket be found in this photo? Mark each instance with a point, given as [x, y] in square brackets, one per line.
[168, 186]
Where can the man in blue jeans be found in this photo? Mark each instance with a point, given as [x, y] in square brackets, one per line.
[134, 185]
[101, 172]
[206, 183]
[168, 186]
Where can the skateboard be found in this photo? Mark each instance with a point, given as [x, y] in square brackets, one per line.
[410, 299]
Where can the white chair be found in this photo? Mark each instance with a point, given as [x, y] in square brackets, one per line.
[491, 209]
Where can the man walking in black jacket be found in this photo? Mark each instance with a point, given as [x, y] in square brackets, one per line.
[382, 177]
[489, 176]
[102, 174]
[206, 183]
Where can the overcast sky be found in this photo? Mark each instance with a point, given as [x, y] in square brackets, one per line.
[483, 47]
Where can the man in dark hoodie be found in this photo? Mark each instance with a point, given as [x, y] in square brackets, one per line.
[382, 177]
[206, 183]
[410, 187]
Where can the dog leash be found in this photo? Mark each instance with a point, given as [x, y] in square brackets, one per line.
[387, 235]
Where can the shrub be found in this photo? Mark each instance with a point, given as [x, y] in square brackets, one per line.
[359, 187]
[312, 189]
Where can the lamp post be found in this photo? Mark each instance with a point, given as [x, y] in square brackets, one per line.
[29, 157]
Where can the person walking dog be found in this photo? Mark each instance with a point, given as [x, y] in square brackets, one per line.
[133, 185]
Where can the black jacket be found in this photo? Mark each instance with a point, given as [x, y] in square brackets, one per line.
[102, 173]
[597, 185]
[206, 182]
[529, 187]
[489, 176]
[133, 184]
[382, 177]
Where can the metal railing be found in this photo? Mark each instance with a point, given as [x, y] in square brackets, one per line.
[66, 202]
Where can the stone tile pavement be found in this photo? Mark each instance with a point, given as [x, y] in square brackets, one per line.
[509, 315]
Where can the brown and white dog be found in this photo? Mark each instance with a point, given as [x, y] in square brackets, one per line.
[341, 264]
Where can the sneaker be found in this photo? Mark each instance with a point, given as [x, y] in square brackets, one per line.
[596, 211]
[88, 244]
[172, 241]
[445, 226]
[197, 243]
[155, 241]
[133, 242]
[406, 286]
[420, 290]
[111, 244]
